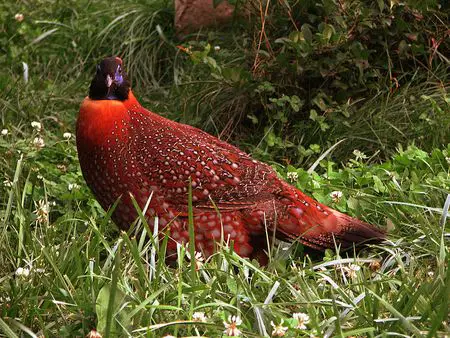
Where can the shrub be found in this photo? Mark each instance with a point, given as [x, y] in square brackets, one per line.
[309, 76]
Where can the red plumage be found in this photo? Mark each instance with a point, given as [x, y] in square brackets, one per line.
[124, 148]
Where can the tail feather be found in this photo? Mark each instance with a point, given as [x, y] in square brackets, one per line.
[353, 231]
[320, 227]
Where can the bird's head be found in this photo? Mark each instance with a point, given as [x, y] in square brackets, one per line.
[110, 81]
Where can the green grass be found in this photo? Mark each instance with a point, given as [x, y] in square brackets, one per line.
[65, 269]
[83, 274]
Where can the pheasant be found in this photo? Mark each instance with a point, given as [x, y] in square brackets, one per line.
[125, 149]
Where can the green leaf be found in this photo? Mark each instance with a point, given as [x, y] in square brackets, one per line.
[271, 139]
[296, 36]
[101, 309]
[307, 34]
[232, 285]
[295, 103]
[327, 32]
[352, 203]
[109, 303]
[378, 184]
[252, 118]
[210, 62]
[236, 75]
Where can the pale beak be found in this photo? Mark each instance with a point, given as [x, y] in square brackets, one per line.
[109, 81]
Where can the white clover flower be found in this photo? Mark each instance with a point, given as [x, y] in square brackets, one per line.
[359, 154]
[36, 125]
[39, 142]
[62, 167]
[94, 334]
[67, 135]
[351, 270]
[8, 183]
[231, 328]
[169, 336]
[216, 48]
[336, 196]
[302, 320]
[19, 17]
[198, 258]
[42, 210]
[22, 272]
[4, 132]
[199, 317]
[4, 299]
[292, 176]
[278, 330]
[73, 186]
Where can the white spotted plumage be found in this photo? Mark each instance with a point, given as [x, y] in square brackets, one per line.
[126, 150]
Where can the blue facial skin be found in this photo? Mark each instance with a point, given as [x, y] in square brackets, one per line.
[118, 76]
[118, 79]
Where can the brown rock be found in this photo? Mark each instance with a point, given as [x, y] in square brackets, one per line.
[192, 15]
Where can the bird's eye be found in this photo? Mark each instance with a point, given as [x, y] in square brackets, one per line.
[119, 69]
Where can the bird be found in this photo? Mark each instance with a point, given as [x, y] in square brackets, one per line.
[127, 153]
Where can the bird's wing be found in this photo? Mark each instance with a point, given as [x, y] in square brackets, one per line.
[169, 154]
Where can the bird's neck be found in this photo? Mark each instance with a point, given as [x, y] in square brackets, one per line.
[131, 101]
[100, 120]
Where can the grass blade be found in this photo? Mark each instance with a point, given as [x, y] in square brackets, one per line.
[405, 322]
[114, 283]
[7, 330]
